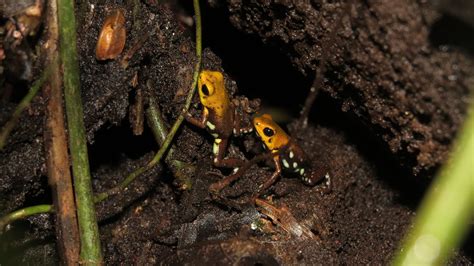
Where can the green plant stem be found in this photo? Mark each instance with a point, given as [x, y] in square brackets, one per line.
[169, 138]
[25, 102]
[88, 228]
[24, 213]
[157, 125]
[447, 209]
[181, 170]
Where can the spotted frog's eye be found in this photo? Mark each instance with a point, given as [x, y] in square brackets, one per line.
[268, 132]
[205, 90]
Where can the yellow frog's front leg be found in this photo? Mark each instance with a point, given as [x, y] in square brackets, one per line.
[220, 143]
[218, 116]
[196, 122]
[219, 149]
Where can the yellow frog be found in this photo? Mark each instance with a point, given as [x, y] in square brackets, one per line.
[218, 116]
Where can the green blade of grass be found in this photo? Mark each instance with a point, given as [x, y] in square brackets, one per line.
[446, 210]
[25, 102]
[23, 213]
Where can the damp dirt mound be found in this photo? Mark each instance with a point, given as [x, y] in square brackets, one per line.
[393, 96]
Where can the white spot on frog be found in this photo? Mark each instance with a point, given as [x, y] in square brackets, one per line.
[215, 147]
[210, 125]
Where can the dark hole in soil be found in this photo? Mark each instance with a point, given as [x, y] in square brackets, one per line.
[450, 31]
[260, 70]
[106, 151]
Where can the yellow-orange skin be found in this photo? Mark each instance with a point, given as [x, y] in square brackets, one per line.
[287, 153]
[218, 99]
[275, 142]
[216, 103]
[112, 36]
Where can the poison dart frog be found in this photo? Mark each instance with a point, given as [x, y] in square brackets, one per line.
[287, 153]
[219, 116]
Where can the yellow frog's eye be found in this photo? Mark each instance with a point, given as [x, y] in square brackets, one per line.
[205, 90]
[268, 132]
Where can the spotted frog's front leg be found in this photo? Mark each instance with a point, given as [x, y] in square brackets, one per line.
[271, 179]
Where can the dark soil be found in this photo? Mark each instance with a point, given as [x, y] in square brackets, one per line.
[395, 93]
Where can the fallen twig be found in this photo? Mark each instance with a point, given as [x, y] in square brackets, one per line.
[282, 217]
[57, 157]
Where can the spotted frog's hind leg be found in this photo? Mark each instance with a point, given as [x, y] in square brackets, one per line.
[315, 175]
[215, 188]
[271, 179]
[218, 149]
